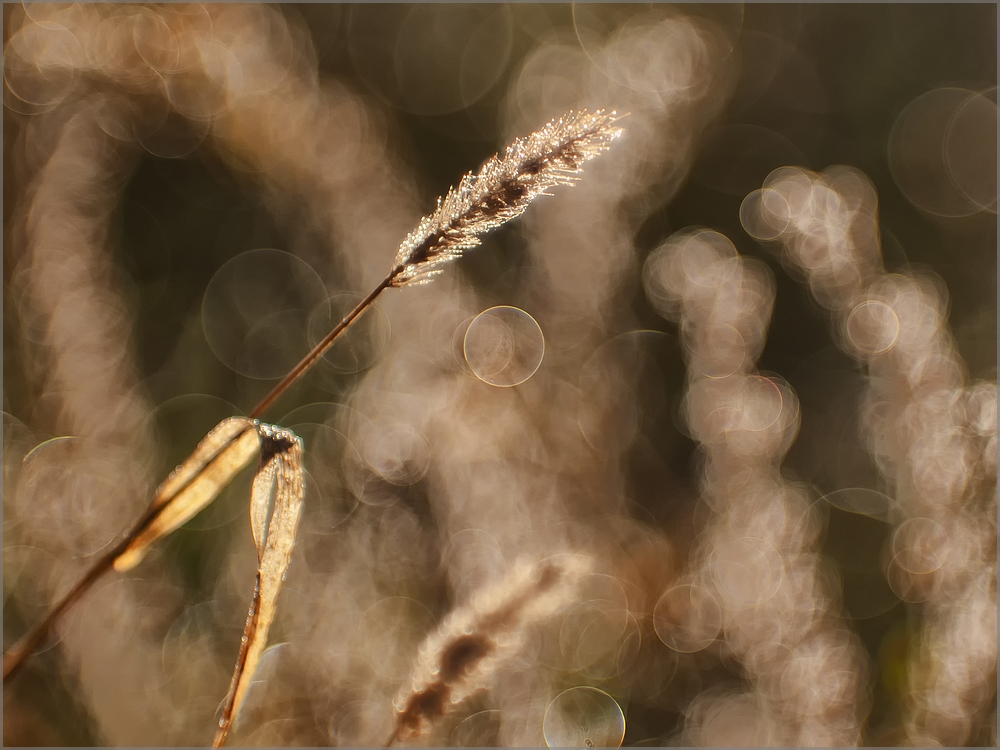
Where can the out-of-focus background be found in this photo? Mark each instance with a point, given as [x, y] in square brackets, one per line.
[194, 194]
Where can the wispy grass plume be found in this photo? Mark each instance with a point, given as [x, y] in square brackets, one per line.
[502, 190]
[457, 659]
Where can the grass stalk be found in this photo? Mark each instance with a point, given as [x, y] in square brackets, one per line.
[501, 191]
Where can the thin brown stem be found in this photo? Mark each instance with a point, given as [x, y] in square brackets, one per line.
[17, 655]
[312, 357]
[20, 651]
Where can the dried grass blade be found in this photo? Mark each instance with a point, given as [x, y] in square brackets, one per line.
[275, 507]
[194, 484]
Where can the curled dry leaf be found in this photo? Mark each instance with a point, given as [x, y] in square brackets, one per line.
[194, 484]
[275, 507]
[188, 490]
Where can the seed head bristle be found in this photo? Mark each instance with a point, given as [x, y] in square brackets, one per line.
[502, 189]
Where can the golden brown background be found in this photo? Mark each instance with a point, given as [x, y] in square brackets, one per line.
[193, 193]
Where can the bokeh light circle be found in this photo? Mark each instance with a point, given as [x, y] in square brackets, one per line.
[173, 137]
[482, 729]
[40, 65]
[192, 632]
[970, 150]
[919, 545]
[17, 442]
[583, 717]
[687, 618]
[60, 496]
[434, 74]
[361, 723]
[919, 157]
[911, 587]
[872, 327]
[256, 310]
[861, 500]
[765, 214]
[690, 265]
[28, 573]
[760, 403]
[429, 59]
[398, 453]
[594, 629]
[504, 346]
